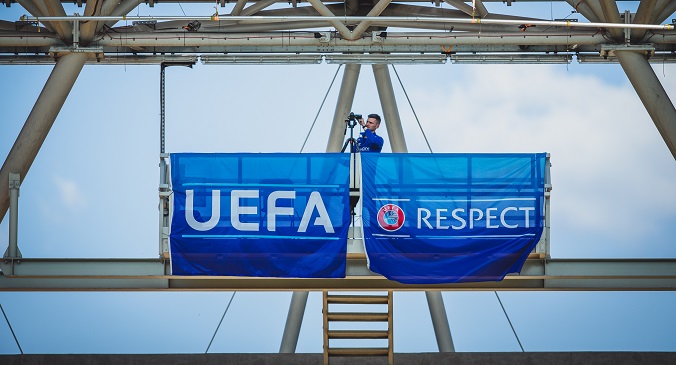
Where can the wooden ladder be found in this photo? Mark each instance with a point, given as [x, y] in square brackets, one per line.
[346, 316]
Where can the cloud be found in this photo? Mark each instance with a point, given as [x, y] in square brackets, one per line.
[70, 193]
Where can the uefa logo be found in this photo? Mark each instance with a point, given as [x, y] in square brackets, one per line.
[390, 217]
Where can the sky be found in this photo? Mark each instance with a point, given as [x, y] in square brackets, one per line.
[92, 192]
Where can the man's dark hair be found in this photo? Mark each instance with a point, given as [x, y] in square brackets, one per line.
[375, 116]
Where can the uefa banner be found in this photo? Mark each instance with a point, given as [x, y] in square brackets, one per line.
[447, 218]
[266, 215]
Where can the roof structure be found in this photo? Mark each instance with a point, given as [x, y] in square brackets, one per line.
[273, 31]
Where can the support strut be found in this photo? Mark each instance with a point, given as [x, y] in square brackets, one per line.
[652, 94]
[39, 122]
[294, 320]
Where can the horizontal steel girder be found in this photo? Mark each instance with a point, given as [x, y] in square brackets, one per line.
[148, 275]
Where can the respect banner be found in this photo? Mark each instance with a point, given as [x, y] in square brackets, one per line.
[446, 218]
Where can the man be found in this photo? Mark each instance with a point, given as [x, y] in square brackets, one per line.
[368, 140]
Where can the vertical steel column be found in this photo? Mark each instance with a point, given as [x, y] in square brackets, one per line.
[162, 67]
[294, 319]
[390, 110]
[13, 248]
[395, 132]
[39, 122]
[652, 94]
[440, 321]
[343, 106]
[163, 166]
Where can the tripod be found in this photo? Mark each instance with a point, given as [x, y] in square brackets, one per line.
[351, 122]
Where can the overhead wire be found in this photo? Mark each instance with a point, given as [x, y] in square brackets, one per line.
[11, 329]
[220, 322]
[320, 108]
[412, 109]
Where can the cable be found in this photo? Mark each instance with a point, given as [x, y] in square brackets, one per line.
[411, 105]
[320, 108]
[508, 320]
[219, 323]
[12, 330]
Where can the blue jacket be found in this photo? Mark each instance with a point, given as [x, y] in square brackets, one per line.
[369, 142]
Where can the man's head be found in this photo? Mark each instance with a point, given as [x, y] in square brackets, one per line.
[373, 122]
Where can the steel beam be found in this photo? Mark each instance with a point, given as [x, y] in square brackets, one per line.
[33, 9]
[39, 122]
[667, 9]
[89, 29]
[150, 39]
[148, 275]
[644, 15]
[388, 102]
[239, 6]
[122, 9]
[323, 10]
[481, 8]
[375, 11]
[54, 8]
[343, 106]
[589, 10]
[652, 94]
[258, 6]
[611, 14]
[460, 5]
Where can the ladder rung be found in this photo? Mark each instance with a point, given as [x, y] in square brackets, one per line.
[359, 351]
[357, 334]
[357, 299]
[358, 317]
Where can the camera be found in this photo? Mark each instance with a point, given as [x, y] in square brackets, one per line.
[352, 119]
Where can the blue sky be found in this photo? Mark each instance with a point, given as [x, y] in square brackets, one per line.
[92, 192]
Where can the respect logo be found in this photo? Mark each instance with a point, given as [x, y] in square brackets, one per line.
[390, 217]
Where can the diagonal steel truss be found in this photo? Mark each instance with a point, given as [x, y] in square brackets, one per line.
[269, 28]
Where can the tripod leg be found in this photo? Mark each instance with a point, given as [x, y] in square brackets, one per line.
[345, 145]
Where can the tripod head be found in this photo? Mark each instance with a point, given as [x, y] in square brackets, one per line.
[351, 122]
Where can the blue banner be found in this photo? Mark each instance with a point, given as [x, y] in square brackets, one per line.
[269, 215]
[448, 218]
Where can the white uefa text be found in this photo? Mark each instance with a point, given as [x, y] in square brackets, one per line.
[238, 210]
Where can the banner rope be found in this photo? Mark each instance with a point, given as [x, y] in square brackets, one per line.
[412, 109]
[219, 323]
[320, 108]
[510, 321]
[11, 329]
